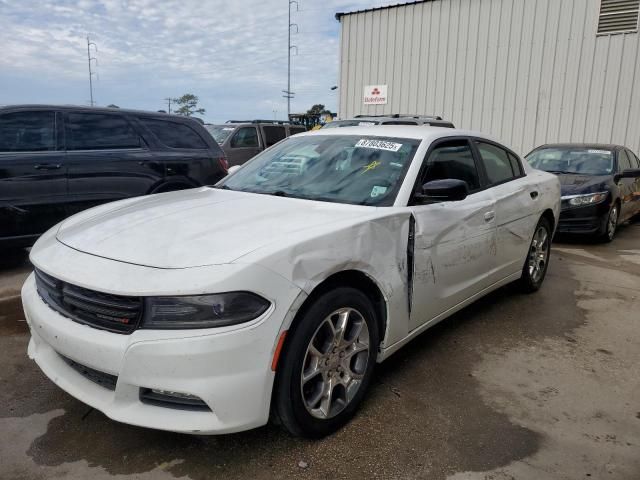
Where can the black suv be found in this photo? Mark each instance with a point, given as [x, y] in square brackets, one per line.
[56, 161]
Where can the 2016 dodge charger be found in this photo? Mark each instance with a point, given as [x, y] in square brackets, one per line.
[277, 291]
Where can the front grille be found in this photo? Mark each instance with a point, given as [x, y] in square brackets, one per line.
[115, 313]
[578, 224]
[105, 380]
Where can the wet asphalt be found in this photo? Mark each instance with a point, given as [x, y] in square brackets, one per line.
[513, 387]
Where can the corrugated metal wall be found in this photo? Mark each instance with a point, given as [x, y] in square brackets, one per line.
[526, 71]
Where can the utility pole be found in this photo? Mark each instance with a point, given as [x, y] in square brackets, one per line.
[168, 100]
[89, 60]
[288, 94]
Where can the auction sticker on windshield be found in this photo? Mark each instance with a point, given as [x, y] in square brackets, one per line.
[602, 152]
[379, 145]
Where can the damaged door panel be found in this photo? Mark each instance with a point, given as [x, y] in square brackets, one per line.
[455, 254]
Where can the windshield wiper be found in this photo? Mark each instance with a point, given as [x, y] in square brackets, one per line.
[562, 171]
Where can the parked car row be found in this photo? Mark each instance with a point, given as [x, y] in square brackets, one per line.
[272, 292]
[275, 292]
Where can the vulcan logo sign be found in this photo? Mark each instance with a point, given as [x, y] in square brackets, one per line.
[375, 95]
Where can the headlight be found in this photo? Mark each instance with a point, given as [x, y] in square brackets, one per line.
[589, 199]
[203, 311]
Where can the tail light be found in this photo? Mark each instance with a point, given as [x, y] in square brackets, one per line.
[223, 163]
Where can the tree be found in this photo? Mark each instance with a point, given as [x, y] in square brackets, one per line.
[317, 109]
[188, 105]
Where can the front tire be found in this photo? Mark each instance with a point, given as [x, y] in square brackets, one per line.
[537, 262]
[611, 224]
[327, 364]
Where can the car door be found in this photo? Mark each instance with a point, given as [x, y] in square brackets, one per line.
[107, 159]
[454, 243]
[635, 163]
[627, 187]
[515, 208]
[243, 145]
[33, 174]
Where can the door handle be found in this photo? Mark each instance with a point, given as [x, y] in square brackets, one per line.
[489, 216]
[47, 166]
[534, 194]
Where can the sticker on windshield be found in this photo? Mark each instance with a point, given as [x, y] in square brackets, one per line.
[377, 190]
[372, 166]
[379, 145]
[228, 128]
[366, 124]
[602, 152]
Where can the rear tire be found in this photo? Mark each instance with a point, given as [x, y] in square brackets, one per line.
[537, 261]
[327, 364]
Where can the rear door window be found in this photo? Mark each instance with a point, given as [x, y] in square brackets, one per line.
[496, 163]
[516, 166]
[174, 134]
[294, 130]
[273, 134]
[28, 131]
[624, 162]
[245, 137]
[95, 131]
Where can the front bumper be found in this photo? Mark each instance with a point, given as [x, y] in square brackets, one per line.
[587, 220]
[228, 368]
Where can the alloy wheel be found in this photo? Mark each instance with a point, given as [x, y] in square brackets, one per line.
[538, 253]
[335, 363]
[612, 222]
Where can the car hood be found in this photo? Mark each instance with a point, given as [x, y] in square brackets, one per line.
[574, 184]
[196, 227]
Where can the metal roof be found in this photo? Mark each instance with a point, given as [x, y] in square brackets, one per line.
[339, 15]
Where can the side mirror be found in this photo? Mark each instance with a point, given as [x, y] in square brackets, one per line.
[233, 169]
[447, 190]
[629, 173]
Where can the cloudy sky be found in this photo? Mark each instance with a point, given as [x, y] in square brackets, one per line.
[231, 53]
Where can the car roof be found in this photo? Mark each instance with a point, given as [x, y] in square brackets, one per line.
[417, 132]
[86, 108]
[595, 146]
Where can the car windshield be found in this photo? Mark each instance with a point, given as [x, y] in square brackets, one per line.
[353, 169]
[583, 161]
[220, 132]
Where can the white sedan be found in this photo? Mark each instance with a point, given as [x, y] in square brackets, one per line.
[275, 292]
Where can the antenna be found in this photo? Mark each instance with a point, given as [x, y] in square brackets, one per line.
[89, 60]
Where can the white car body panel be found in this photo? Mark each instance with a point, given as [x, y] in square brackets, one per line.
[206, 241]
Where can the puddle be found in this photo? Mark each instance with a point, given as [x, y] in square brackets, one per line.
[12, 317]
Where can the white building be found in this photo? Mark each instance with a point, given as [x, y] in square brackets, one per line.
[526, 71]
